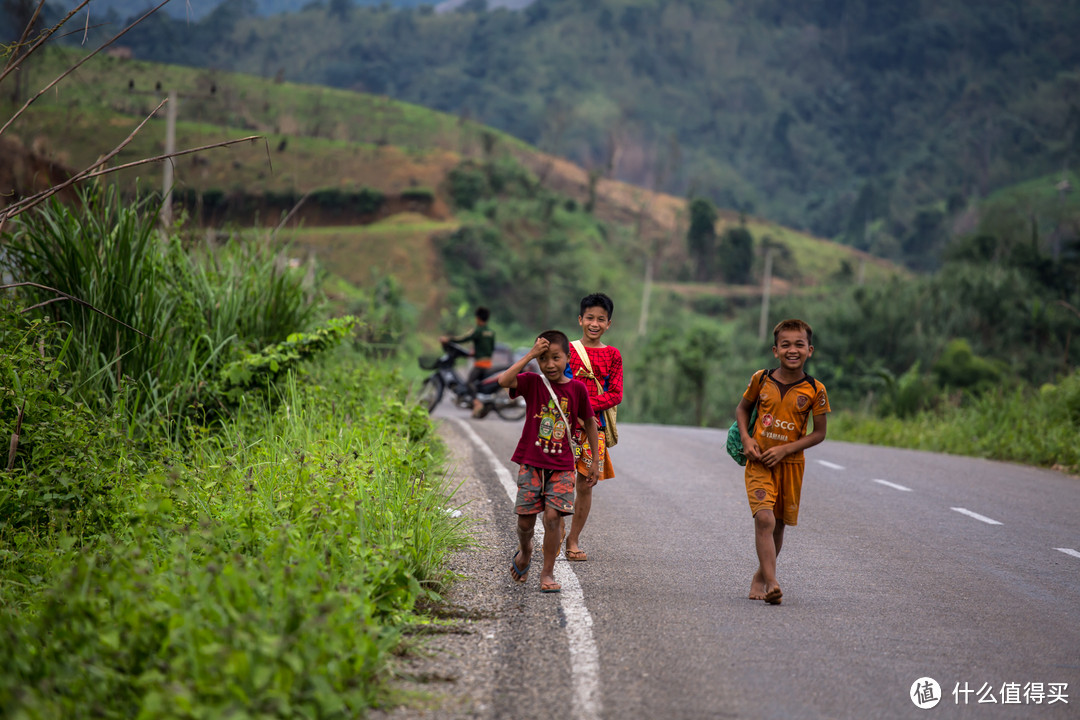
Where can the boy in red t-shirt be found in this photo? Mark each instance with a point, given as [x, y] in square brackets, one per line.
[546, 477]
[603, 378]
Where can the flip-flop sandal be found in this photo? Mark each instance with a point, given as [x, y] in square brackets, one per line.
[519, 574]
[576, 555]
[550, 587]
[773, 597]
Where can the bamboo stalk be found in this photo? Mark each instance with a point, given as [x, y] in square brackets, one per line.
[15, 438]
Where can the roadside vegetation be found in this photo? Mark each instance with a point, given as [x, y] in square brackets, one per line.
[237, 515]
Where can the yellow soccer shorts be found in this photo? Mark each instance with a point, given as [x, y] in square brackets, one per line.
[777, 488]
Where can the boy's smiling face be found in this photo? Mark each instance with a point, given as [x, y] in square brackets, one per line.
[792, 349]
[594, 323]
[553, 363]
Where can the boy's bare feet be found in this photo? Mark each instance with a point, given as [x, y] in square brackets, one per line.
[773, 596]
[757, 586]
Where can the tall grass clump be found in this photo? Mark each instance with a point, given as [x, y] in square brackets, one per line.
[266, 569]
[150, 311]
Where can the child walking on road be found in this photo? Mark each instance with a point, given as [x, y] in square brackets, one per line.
[600, 367]
[545, 453]
[786, 397]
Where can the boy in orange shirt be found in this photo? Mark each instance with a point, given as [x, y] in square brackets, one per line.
[786, 398]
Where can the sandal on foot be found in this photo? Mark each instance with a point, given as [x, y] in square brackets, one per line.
[550, 587]
[519, 574]
[576, 555]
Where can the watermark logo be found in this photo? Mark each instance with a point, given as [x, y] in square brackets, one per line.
[925, 693]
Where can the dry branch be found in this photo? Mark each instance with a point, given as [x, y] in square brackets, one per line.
[65, 296]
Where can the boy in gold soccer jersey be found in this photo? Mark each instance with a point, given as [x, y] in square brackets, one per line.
[786, 398]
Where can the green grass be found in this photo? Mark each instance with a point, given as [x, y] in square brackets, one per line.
[1025, 426]
[270, 567]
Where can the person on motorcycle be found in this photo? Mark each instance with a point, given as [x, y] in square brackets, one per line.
[483, 339]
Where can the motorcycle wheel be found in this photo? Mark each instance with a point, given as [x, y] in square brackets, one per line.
[508, 408]
[431, 392]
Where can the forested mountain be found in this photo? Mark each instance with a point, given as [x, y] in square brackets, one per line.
[198, 9]
[876, 123]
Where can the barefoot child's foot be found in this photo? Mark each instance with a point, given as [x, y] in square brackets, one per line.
[757, 587]
[773, 596]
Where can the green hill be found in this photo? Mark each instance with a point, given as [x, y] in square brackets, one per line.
[336, 142]
[851, 120]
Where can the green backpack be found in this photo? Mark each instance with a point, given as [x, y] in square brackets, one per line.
[734, 439]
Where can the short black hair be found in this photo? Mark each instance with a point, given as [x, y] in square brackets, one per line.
[795, 325]
[557, 337]
[482, 313]
[597, 300]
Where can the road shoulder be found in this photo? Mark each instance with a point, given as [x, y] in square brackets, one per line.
[449, 673]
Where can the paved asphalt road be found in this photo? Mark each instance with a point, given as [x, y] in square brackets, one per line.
[895, 572]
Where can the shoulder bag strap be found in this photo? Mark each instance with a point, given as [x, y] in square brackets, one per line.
[579, 347]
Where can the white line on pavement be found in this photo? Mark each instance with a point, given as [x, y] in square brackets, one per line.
[828, 464]
[893, 485]
[584, 658]
[1069, 551]
[977, 516]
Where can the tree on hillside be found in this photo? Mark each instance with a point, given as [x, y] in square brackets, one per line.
[736, 255]
[701, 238]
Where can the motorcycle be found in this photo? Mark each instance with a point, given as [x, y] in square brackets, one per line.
[445, 377]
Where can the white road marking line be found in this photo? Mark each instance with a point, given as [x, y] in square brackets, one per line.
[828, 464]
[893, 485]
[977, 516]
[584, 657]
[1069, 551]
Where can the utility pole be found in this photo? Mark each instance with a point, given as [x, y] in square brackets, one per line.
[172, 109]
[167, 171]
[766, 286]
[646, 293]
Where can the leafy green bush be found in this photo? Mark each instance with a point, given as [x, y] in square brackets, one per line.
[959, 367]
[257, 372]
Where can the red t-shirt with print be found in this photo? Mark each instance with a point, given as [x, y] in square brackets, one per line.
[544, 441]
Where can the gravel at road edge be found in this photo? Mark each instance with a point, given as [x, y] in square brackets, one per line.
[449, 674]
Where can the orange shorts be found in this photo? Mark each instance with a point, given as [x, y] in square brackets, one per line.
[585, 460]
[777, 488]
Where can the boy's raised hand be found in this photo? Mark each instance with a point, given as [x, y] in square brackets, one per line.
[539, 347]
